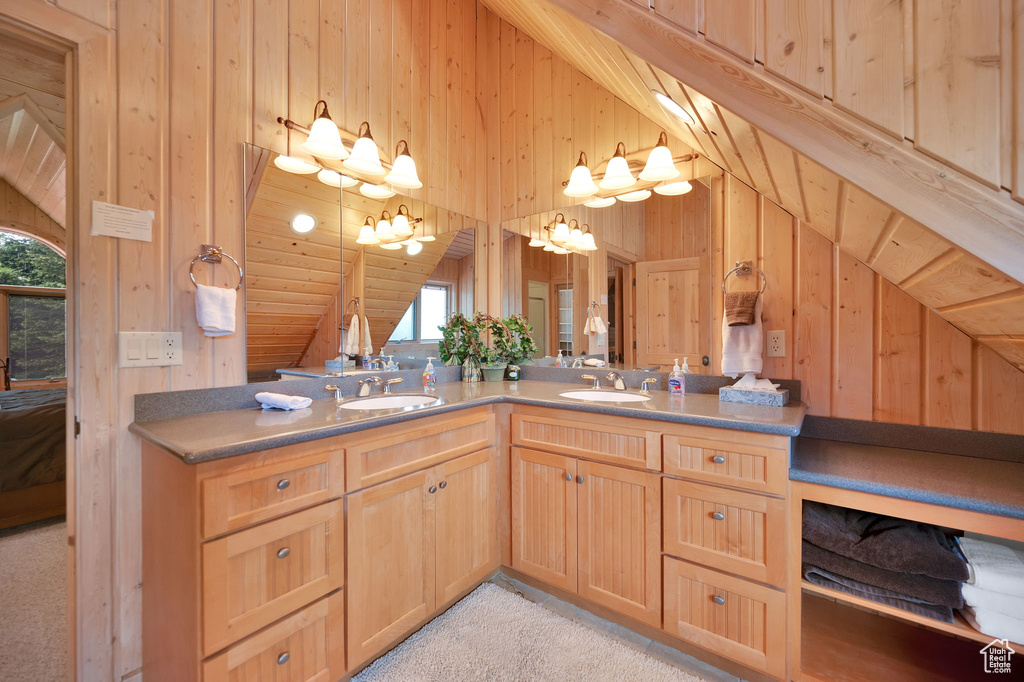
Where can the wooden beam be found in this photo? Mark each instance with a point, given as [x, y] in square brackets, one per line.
[980, 221]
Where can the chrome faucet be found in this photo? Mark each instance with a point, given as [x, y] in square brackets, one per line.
[364, 385]
[577, 363]
[591, 377]
[617, 381]
[336, 389]
[389, 383]
[647, 382]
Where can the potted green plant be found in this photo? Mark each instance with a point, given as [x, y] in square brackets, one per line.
[494, 355]
[460, 345]
[521, 346]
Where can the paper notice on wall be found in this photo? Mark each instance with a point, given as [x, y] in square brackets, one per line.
[111, 220]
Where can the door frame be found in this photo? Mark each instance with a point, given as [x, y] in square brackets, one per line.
[92, 361]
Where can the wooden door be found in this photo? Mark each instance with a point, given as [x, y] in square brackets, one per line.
[391, 565]
[544, 516]
[673, 312]
[620, 539]
[466, 523]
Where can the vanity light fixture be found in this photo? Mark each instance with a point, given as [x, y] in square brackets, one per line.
[391, 246]
[413, 247]
[400, 225]
[333, 178]
[365, 157]
[638, 195]
[561, 232]
[617, 175]
[536, 242]
[292, 164]
[366, 233]
[581, 182]
[559, 251]
[303, 223]
[324, 140]
[673, 107]
[588, 241]
[383, 230]
[660, 165]
[548, 246]
[600, 202]
[674, 189]
[575, 239]
[376, 191]
[403, 170]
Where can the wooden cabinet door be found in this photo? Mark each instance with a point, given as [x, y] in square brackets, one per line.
[544, 516]
[620, 539]
[466, 523]
[391, 563]
[673, 316]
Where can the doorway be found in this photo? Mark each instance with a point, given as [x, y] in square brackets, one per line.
[621, 304]
[537, 314]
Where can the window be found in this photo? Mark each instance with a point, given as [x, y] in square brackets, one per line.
[32, 308]
[429, 311]
[565, 329]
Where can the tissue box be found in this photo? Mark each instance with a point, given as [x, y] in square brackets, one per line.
[739, 395]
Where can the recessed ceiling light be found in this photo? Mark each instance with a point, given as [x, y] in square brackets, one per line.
[673, 107]
[303, 223]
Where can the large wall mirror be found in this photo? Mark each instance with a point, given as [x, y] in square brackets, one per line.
[308, 272]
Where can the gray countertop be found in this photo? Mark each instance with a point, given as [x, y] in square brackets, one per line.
[214, 435]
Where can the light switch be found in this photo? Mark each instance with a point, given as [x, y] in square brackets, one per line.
[152, 349]
[134, 349]
[149, 349]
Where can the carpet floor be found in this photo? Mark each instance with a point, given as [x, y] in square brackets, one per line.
[33, 606]
[494, 634]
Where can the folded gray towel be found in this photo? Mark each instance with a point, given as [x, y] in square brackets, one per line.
[889, 543]
[823, 578]
[908, 586]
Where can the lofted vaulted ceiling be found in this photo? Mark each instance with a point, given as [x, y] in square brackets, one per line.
[968, 292]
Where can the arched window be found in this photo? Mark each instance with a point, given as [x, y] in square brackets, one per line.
[32, 309]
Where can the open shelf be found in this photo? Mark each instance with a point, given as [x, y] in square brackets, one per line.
[960, 628]
[840, 643]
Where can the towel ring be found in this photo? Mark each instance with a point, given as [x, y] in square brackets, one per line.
[212, 254]
[744, 268]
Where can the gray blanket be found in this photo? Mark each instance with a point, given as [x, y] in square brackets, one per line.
[32, 446]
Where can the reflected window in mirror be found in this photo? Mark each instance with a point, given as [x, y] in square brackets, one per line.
[565, 321]
[428, 311]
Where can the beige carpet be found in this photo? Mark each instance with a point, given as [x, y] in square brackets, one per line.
[494, 634]
[33, 610]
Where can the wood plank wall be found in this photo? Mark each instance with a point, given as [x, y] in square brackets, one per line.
[19, 214]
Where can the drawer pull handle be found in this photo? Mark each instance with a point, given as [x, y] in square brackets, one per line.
[568, 476]
[283, 658]
[718, 600]
[579, 479]
[718, 459]
[718, 516]
[443, 485]
[283, 553]
[283, 483]
[433, 489]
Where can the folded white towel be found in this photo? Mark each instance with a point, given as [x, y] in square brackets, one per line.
[588, 328]
[995, 624]
[367, 343]
[282, 401]
[215, 310]
[598, 326]
[994, 567]
[352, 337]
[274, 417]
[742, 346]
[594, 362]
[993, 601]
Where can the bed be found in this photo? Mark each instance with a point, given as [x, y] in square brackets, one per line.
[32, 455]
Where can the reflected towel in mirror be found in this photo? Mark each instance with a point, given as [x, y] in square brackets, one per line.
[351, 346]
[367, 343]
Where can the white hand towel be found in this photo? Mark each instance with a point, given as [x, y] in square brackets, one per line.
[599, 326]
[993, 601]
[282, 401]
[742, 346]
[353, 337]
[994, 624]
[588, 328]
[215, 310]
[994, 567]
[367, 343]
[594, 362]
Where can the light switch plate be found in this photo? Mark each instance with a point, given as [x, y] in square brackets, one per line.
[776, 341]
[149, 349]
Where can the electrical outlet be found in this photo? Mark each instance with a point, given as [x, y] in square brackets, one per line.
[149, 349]
[776, 343]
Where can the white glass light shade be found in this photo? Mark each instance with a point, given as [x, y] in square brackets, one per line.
[366, 235]
[403, 173]
[393, 246]
[324, 140]
[329, 177]
[400, 226]
[575, 237]
[558, 250]
[346, 181]
[376, 191]
[617, 175]
[674, 189]
[600, 202]
[365, 158]
[426, 238]
[588, 243]
[561, 232]
[384, 230]
[537, 242]
[581, 184]
[549, 247]
[638, 195]
[660, 165]
[413, 248]
[303, 223]
[294, 165]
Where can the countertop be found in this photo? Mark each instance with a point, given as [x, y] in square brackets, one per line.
[214, 435]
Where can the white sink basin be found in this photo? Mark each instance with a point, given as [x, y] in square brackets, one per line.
[390, 402]
[605, 396]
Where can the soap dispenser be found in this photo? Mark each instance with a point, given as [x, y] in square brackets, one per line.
[391, 366]
[560, 361]
[686, 367]
[676, 380]
[429, 376]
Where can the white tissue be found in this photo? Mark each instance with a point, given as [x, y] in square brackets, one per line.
[749, 382]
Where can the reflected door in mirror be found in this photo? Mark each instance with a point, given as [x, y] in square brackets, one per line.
[671, 322]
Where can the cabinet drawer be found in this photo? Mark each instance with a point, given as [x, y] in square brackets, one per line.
[306, 647]
[255, 576]
[730, 616]
[393, 451]
[615, 440]
[734, 531]
[265, 491]
[743, 465]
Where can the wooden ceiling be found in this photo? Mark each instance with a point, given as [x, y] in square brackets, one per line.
[32, 124]
[975, 297]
